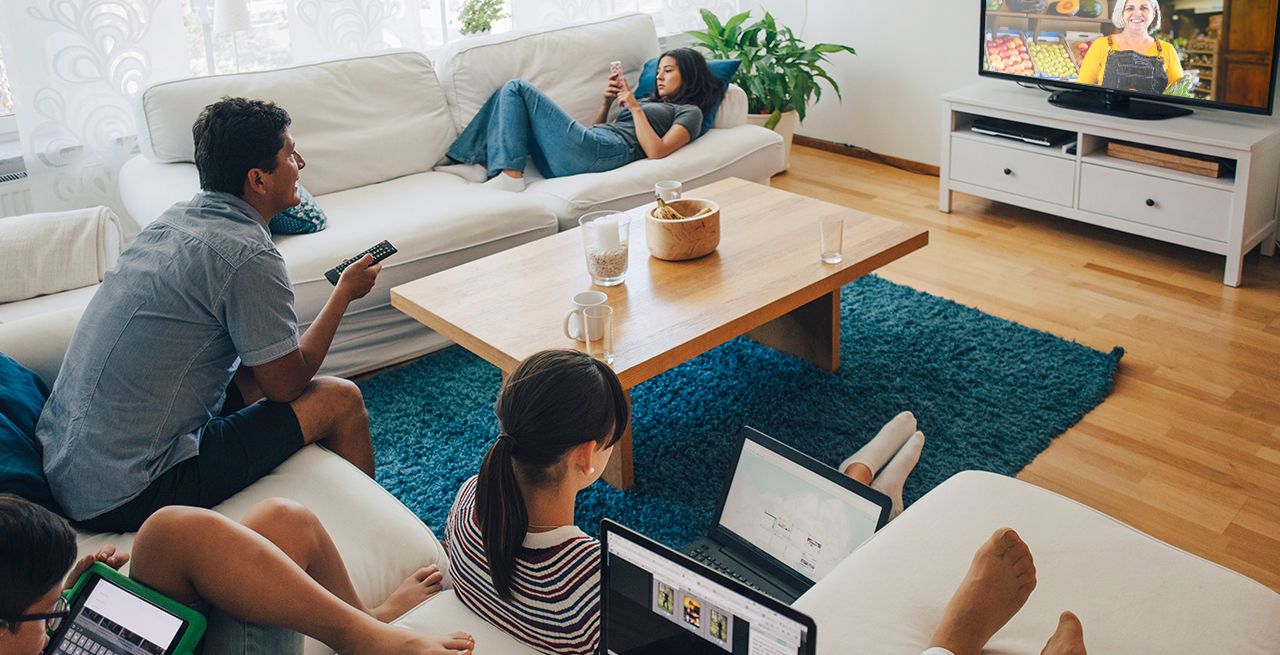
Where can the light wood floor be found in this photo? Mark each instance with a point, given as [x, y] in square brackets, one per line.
[1187, 447]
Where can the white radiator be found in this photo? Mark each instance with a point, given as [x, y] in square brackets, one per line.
[15, 194]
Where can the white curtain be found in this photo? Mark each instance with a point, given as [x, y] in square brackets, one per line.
[327, 29]
[75, 66]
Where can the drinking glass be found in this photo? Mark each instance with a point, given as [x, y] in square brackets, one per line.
[604, 240]
[831, 235]
[597, 328]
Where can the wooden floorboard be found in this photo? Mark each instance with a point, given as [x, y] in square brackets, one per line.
[1187, 447]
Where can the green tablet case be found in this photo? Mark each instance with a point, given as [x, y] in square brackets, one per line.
[195, 621]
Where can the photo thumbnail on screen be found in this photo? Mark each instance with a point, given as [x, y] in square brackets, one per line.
[1171, 48]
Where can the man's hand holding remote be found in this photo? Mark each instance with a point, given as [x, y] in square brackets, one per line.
[358, 279]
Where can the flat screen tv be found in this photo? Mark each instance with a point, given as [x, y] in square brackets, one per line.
[1115, 56]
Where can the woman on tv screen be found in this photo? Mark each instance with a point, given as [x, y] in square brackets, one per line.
[1131, 59]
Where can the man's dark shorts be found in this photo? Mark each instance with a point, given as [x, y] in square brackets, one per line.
[237, 448]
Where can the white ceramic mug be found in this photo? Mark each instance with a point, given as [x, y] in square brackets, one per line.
[668, 190]
[573, 320]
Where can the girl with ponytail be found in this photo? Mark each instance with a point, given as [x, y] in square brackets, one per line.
[518, 559]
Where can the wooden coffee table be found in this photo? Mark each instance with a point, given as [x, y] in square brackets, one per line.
[765, 281]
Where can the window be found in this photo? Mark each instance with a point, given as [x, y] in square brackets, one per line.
[264, 46]
[6, 98]
[440, 25]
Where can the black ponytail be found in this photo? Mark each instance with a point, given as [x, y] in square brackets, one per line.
[501, 512]
[554, 401]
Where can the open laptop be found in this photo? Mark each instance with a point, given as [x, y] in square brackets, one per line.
[655, 601]
[785, 519]
[113, 615]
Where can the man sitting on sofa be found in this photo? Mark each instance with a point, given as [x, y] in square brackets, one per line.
[186, 379]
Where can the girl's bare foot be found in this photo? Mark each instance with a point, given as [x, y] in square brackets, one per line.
[1068, 639]
[423, 584]
[1000, 579]
[392, 640]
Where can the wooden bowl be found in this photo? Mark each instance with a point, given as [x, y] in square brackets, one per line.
[684, 239]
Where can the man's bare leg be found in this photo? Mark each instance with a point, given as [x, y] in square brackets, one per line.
[1068, 639]
[1000, 579]
[297, 532]
[331, 413]
[189, 554]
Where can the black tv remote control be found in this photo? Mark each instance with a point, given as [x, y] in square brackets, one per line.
[380, 252]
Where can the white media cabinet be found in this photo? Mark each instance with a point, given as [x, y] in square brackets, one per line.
[1228, 215]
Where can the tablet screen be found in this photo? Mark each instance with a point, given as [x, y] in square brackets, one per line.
[113, 620]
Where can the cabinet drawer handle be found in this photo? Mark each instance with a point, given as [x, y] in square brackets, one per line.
[1151, 202]
[1008, 171]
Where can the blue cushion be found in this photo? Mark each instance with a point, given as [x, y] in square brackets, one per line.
[304, 218]
[22, 396]
[723, 69]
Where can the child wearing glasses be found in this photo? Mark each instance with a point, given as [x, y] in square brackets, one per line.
[254, 572]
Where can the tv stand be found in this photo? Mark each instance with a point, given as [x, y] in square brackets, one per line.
[1228, 215]
[1116, 104]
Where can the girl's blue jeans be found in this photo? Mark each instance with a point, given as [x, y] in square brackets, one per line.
[520, 122]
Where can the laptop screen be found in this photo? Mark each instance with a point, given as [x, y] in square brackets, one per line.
[654, 604]
[114, 620]
[793, 514]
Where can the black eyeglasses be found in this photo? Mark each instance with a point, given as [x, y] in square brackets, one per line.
[53, 620]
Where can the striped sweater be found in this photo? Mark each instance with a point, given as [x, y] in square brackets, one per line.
[555, 605]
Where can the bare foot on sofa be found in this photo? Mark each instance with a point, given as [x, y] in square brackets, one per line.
[423, 584]
[1000, 579]
[394, 640]
[1068, 639]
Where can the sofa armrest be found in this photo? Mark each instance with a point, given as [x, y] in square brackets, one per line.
[381, 542]
[40, 342]
[733, 109]
[1134, 593]
[48, 253]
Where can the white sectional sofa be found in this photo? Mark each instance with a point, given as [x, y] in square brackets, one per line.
[1135, 594]
[371, 130]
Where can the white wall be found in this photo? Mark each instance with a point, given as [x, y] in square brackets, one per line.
[910, 52]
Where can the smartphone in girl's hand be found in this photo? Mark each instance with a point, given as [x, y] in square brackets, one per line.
[615, 68]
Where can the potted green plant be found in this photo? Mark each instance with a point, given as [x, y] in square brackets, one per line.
[478, 16]
[779, 72]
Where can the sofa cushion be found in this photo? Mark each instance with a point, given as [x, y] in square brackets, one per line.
[22, 396]
[306, 217]
[445, 613]
[569, 64]
[722, 69]
[380, 540]
[1133, 593]
[428, 217]
[356, 121]
[52, 252]
[713, 156]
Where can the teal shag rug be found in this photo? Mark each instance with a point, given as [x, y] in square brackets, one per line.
[988, 393]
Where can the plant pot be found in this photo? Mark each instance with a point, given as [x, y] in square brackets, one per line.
[786, 127]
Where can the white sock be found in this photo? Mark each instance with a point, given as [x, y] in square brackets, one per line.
[894, 476]
[504, 182]
[877, 452]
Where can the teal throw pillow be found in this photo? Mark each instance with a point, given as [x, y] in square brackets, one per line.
[22, 396]
[723, 69]
[304, 218]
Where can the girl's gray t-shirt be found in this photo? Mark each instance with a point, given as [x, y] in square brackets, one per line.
[661, 115]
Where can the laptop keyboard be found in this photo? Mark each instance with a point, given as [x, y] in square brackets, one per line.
[708, 556]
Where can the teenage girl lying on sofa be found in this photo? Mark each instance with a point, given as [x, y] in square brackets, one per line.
[519, 121]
